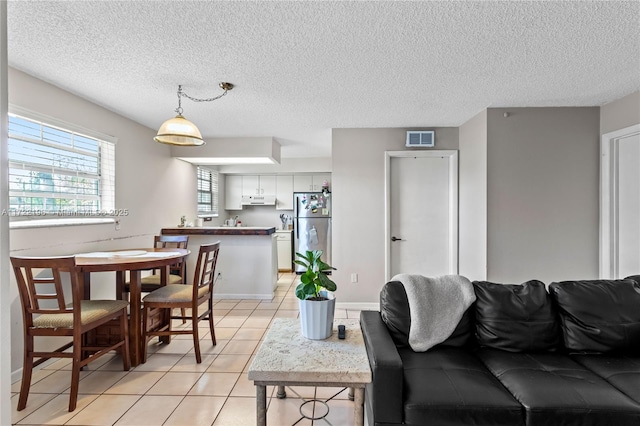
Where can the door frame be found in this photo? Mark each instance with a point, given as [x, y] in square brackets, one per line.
[609, 146]
[452, 155]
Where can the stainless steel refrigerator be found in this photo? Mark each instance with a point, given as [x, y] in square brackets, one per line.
[312, 224]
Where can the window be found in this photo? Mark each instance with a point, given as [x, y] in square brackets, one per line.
[207, 192]
[58, 172]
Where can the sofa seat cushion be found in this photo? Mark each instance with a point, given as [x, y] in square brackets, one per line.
[450, 386]
[556, 390]
[623, 372]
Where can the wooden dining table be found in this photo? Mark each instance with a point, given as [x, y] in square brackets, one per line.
[135, 261]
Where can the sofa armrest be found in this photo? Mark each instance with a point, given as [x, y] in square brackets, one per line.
[385, 392]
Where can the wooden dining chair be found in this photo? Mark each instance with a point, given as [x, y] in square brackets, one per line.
[177, 272]
[185, 297]
[46, 312]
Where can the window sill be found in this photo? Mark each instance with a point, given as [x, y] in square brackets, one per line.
[48, 223]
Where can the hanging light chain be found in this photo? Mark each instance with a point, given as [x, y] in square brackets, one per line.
[225, 86]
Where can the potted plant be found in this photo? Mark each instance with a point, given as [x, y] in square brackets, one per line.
[316, 300]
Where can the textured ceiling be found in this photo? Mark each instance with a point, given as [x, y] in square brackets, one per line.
[302, 68]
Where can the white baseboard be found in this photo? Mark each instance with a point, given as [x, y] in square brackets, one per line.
[16, 375]
[356, 306]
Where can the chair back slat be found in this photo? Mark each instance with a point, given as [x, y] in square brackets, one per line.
[174, 241]
[34, 288]
[205, 268]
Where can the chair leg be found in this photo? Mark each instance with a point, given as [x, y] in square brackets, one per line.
[194, 331]
[75, 375]
[145, 340]
[124, 349]
[183, 312]
[27, 369]
[211, 328]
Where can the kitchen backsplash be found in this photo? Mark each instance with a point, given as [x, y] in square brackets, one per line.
[257, 215]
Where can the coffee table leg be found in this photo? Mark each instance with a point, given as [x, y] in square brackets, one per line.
[359, 407]
[261, 405]
[281, 394]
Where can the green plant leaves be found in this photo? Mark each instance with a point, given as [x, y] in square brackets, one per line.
[314, 279]
[304, 291]
[326, 282]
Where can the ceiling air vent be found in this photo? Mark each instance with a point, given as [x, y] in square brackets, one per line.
[424, 139]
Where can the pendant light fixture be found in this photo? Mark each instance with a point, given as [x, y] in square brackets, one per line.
[180, 131]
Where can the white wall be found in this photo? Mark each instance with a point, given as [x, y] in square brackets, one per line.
[542, 194]
[286, 166]
[472, 258]
[5, 294]
[358, 206]
[155, 188]
[621, 113]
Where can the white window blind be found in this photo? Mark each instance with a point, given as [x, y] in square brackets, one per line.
[207, 191]
[55, 171]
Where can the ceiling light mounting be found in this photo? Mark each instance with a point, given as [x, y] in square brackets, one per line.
[180, 131]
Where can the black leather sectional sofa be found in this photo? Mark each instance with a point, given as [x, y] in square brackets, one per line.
[521, 355]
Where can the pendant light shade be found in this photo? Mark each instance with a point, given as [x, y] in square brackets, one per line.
[179, 131]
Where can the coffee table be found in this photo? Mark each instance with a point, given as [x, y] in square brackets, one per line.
[285, 358]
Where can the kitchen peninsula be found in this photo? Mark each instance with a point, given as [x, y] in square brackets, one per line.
[247, 263]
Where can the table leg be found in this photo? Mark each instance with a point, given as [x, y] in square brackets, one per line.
[135, 319]
[281, 394]
[261, 405]
[85, 284]
[120, 281]
[358, 417]
[350, 395]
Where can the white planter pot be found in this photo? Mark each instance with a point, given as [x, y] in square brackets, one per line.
[316, 316]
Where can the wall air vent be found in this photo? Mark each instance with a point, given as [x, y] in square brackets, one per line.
[423, 139]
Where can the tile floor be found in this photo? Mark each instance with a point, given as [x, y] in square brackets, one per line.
[172, 389]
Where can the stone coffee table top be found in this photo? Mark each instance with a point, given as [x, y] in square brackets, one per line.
[286, 356]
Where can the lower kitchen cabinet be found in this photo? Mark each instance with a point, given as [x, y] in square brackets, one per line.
[285, 250]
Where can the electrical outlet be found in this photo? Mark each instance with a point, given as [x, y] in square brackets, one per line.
[354, 277]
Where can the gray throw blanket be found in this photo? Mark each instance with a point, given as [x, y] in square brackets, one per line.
[436, 305]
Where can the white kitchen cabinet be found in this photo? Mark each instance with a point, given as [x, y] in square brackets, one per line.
[310, 183]
[302, 183]
[258, 185]
[285, 250]
[267, 184]
[233, 192]
[284, 192]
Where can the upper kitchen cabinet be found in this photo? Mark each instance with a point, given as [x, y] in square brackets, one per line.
[310, 183]
[284, 192]
[258, 185]
[233, 192]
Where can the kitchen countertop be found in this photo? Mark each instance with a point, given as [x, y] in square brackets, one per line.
[220, 230]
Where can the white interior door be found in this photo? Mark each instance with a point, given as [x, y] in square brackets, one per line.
[629, 206]
[620, 203]
[422, 213]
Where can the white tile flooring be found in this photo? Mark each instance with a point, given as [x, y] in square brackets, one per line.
[172, 389]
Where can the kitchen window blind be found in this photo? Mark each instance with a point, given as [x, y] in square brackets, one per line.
[58, 172]
[207, 191]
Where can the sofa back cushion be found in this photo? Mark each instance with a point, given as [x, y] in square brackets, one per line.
[515, 317]
[635, 278]
[599, 315]
[394, 310]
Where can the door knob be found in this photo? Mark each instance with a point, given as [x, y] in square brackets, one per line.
[396, 239]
